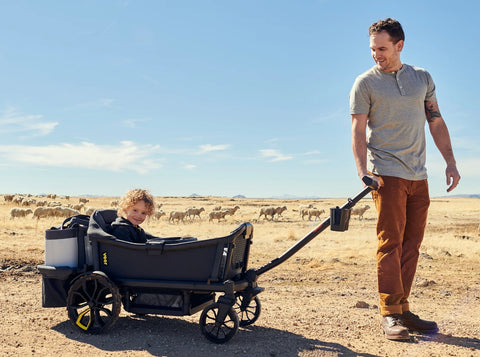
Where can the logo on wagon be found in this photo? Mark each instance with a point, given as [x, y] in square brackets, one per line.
[104, 258]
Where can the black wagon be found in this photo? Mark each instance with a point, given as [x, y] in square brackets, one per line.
[92, 273]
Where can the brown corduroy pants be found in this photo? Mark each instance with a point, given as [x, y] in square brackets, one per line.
[402, 207]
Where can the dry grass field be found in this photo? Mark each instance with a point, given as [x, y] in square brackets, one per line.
[321, 302]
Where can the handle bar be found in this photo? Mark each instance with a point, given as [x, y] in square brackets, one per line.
[367, 180]
[371, 184]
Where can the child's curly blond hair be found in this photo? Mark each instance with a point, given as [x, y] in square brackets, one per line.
[132, 197]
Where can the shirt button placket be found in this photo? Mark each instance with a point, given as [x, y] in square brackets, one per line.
[399, 83]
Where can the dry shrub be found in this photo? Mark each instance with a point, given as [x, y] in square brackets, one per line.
[315, 263]
[291, 236]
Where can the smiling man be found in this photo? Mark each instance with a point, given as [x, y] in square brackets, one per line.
[395, 101]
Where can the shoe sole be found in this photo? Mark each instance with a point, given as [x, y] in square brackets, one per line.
[396, 338]
[424, 332]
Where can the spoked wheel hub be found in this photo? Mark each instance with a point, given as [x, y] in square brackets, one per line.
[93, 303]
[219, 322]
[247, 311]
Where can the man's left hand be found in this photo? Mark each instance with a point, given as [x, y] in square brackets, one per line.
[453, 177]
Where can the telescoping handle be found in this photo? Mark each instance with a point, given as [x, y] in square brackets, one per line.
[371, 184]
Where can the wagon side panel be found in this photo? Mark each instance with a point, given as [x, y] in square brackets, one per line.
[124, 260]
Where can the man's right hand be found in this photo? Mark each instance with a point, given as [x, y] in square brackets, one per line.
[377, 181]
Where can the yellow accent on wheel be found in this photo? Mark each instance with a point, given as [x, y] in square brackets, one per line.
[79, 324]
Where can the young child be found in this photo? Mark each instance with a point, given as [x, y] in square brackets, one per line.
[133, 209]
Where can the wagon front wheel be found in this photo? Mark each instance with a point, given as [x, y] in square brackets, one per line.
[247, 314]
[93, 303]
[214, 327]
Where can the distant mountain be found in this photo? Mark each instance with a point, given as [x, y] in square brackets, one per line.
[239, 196]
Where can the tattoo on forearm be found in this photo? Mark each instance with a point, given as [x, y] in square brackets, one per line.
[432, 112]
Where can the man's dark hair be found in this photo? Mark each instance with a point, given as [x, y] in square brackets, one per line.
[391, 26]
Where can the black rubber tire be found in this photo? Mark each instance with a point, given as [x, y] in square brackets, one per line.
[218, 331]
[251, 312]
[93, 303]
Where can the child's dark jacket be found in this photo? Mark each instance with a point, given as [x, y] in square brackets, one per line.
[123, 229]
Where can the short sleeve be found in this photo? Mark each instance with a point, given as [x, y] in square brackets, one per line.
[359, 98]
[430, 96]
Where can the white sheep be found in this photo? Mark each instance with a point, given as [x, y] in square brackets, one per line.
[30, 201]
[58, 211]
[231, 210]
[303, 208]
[192, 212]
[313, 212]
[279, 210]
[78, 206]
[64, 212]
[8, 198]
[267, 211]
[177, 215]
[359, 211]
[42, 212]
[158, 214]
[304, 211]
[17, 212]
[18, 200]
[218, 215]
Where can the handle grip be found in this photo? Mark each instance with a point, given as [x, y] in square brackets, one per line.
[370, 182]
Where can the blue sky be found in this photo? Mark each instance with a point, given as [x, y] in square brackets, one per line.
[213, 97]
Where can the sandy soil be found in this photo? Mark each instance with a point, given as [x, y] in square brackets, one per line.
[321, 302]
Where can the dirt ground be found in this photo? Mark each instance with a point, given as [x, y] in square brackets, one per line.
[321, 302]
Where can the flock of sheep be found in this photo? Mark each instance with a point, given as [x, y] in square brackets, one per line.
[54, 208]
[45, 208]
[218, 213]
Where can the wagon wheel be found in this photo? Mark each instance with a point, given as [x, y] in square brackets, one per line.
[218, 331]
[247, 314]
[93, 303]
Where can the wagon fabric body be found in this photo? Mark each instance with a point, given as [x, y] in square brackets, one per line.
[169, 276]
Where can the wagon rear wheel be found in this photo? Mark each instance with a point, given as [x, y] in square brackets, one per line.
[216, 329]
[93, 303]
[247, 314]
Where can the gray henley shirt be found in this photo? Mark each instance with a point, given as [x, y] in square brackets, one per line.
[395, 104]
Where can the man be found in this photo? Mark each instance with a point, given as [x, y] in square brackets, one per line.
[395, 100]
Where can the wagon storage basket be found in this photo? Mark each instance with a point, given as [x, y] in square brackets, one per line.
[66, 252]
[67, 245]
[55, 282]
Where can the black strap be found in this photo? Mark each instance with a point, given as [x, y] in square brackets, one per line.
[77, 220]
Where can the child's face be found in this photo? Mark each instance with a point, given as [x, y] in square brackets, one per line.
[137, 213]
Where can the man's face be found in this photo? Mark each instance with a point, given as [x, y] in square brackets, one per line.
[385, 53]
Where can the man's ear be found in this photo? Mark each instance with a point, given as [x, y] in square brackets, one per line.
[399, 45]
